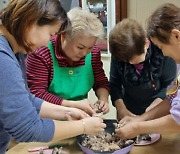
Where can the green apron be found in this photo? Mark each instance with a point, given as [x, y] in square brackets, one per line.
[71, 83]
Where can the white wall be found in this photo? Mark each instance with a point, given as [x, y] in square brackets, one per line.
[141, 9]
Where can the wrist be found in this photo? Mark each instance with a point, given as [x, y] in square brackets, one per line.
[143, 117]
[105, 99]
[83, 126]
[67, 103]
[140, 127]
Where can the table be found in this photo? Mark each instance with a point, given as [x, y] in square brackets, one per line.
[169, 143]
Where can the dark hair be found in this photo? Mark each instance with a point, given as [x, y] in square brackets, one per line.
[127, 39]
[20, 15]
[162, 21]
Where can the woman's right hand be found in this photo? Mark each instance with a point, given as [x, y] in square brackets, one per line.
[93, 125]
[84, 105]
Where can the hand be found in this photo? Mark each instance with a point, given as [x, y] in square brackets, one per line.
[84, 105]
[124, 113]
[128, 119]
[103, 106]
[75, 114]
[93, 125]
[129, 130]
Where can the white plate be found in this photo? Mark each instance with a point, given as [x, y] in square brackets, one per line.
[154, 138]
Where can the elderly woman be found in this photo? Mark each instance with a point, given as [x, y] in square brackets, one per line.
[64, 72]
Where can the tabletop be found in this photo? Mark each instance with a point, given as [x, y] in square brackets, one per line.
[169, 143]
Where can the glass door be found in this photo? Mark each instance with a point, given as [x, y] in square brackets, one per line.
[105, 11]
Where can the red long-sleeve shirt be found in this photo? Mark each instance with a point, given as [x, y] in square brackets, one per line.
[40, 70]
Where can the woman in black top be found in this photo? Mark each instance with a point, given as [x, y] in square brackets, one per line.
[139, 73]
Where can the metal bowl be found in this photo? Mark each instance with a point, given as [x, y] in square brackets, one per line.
[109, 129]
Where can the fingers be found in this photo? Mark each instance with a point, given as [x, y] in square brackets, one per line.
[105, 109]
[89, 108]
[101, 104]
[90, 111]
[91, 105]
[104, 106]
[84, 115]
[122, 121]
[101, 127]
[119, 133]
[76, 114]
[68, 117]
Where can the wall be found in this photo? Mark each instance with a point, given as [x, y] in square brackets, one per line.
[141, 9]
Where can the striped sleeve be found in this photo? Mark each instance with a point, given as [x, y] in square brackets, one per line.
[39, 71]
[100, 78]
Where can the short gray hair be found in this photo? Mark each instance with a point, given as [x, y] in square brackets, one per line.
[85, 23]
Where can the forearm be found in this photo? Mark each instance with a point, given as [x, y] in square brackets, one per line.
[102, 94]
[68, 103]
[157, 101]
[122, 111]
[160, 110]
[53, 111]
[154, 104]
[163, 125]
[119, 104]
[63, 129]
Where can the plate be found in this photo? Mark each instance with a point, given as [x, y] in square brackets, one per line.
[154, 138]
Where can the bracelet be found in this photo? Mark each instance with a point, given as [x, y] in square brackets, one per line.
[83, 122]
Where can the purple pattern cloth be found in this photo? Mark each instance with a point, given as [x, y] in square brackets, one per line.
[175, 101]
[175, 108]
[171, 97]
[138, 68]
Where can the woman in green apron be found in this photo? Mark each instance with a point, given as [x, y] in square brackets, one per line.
[139, 72]
[71, 65]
